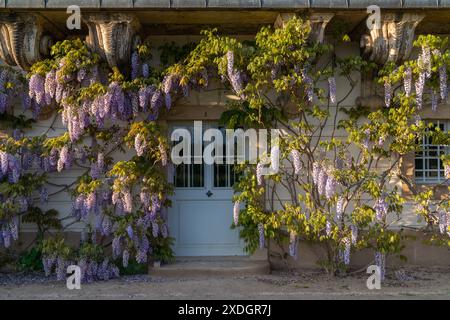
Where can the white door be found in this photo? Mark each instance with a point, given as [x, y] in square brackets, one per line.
[202, 209]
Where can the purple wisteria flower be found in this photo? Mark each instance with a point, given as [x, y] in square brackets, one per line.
[127, 201]
[309, 87]
[116, 247]
[6, 234]
[37, 88]
[4, 162]
[420, 86]
[236, 210]
[407, 81]
[380, 261]
[259, 176]
[125, 258]
[443, 221]
[366, 140]
[145, 70]
[60, 269]
[387, 93]
[43, 194]
[328, 228]
[316, 172]
[322, 181]
[63, 160]
[3, 102]
[330, 187]
[262, 241]
[48, 263]
[425, 62]
[275, 158]
[354, 231]
[293, 244]
[235, 76]
[145, 199]
[106, 226]
[340, 208]
[135, 65]
[156, 100]
[230, 62]
[332, 89]
[130, 231]
[296, 160]
[91, 201]
[381, 208]
[139, 144]
[163, 153]
[443, 83]
[100, 162]
[237, 82]
[346, 251]
[155, 229]
[50, 86]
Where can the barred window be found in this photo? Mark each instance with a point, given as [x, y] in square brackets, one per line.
[428, 164]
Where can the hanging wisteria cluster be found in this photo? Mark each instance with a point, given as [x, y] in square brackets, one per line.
[90, 258]
[18, 186]
[422, 71]
[12, 86]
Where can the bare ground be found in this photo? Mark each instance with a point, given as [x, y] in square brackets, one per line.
[416, 283]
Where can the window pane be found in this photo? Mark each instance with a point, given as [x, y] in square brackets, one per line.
[180, 176]
[432, 153]
[433, 163]
[220, 175]
[428, 165]
[419, 164]
[197, 176]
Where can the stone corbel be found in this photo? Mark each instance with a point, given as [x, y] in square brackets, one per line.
[113, 36]
[393, 41]
[318, 22]
[23, 40]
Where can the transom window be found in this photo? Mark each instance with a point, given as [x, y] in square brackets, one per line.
[196, 175]
[428, 165]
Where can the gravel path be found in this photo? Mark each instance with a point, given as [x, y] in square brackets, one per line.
[412, 283]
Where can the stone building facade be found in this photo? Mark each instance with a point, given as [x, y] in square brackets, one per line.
[199, 222]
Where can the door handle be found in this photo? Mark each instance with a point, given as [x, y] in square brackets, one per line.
[209, 193]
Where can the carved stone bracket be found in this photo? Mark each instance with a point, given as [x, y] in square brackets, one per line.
[22, 40]
[113, 36]
[318, 22]
[393, 41]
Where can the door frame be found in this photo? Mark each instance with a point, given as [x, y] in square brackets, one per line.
[184, 194]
